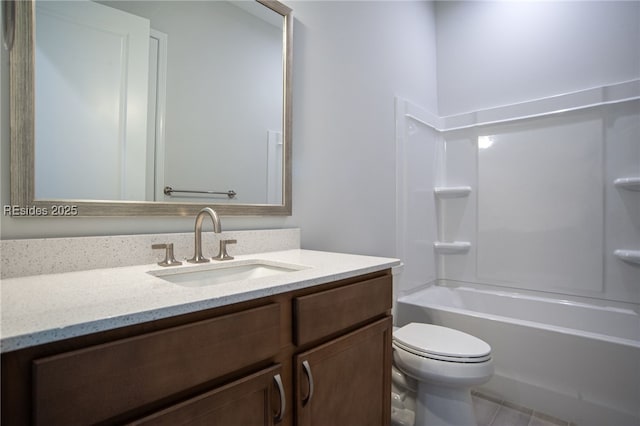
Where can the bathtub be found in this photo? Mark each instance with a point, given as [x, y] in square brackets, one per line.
[577, 360]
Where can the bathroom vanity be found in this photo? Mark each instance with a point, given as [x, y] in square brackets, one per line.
[307, 347]
[131, 343]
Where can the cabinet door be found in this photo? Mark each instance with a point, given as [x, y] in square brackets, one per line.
[346, 381]
[254, 400]
[101, 382]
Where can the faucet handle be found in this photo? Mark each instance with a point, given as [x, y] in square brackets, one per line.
[169, 259]
[223, 255]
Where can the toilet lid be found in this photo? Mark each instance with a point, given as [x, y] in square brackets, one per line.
[430, 339]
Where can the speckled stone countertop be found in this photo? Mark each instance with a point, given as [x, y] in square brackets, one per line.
[44, 308]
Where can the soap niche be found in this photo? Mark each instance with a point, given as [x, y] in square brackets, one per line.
[451, 202]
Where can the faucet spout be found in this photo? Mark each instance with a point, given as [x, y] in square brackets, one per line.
[197, 257]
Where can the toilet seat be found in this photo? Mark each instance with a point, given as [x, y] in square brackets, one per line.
[441, 343]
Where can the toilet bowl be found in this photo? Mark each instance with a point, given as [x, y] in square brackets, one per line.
[445, 364]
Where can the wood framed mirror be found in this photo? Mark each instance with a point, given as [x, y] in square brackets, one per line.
[174, 161]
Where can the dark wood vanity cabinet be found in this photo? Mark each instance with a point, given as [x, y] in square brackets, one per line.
[118, 377]
[345, 381]
[246, 402]
[316, 356]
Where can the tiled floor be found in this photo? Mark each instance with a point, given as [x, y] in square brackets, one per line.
[493, 412]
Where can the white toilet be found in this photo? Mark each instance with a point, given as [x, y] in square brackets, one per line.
[445, 363]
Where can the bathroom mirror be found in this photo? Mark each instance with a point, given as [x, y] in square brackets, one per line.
[195, 112]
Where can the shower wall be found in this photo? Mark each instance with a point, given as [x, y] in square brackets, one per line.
[418, 159]
[526, 203]
[543, 212]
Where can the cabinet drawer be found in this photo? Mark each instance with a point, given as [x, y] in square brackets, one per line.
[245, 402]
[97, 383]
[325, 313]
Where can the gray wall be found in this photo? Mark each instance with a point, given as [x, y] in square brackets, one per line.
[494, 53]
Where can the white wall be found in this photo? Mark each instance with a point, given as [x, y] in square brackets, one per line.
[498, 53]
[350, 60]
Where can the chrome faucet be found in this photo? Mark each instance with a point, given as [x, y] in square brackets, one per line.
[197, 257]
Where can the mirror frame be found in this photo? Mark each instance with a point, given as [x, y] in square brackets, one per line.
[22, 129]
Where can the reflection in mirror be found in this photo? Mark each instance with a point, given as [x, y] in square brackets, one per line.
[134, 97]
[92, 72]
[213, 68]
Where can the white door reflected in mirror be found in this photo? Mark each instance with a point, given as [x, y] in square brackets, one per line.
[92, 79]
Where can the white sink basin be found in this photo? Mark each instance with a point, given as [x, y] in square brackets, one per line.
[219, 273]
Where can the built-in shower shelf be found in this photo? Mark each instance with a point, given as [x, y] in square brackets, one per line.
[632, 256]
[630, 183]
[455, 247]
[452, 191]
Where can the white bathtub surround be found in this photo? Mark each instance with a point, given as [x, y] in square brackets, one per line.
[574, 358]
[546, 204]
[56, 255]
[561, 103]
